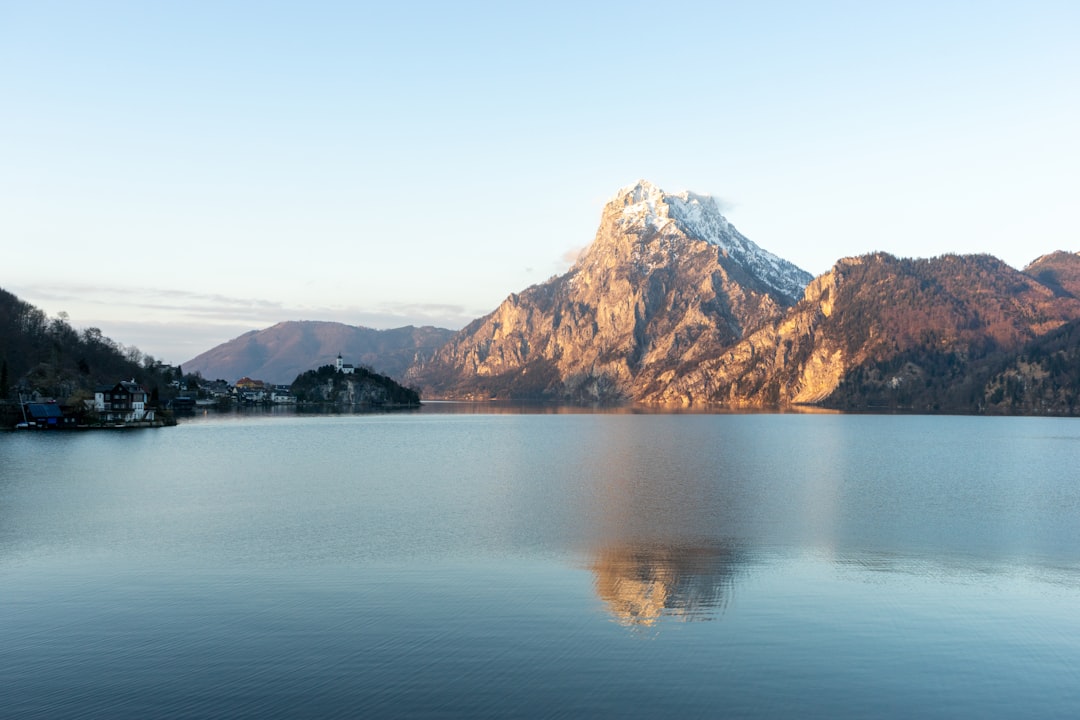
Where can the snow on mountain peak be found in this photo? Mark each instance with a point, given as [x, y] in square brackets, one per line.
[640, 191]
[642, 203]
[698, 216]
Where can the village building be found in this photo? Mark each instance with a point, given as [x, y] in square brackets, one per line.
[218, 389]
[47, 416]
[282, 395]
[123, 402]
[250, 391]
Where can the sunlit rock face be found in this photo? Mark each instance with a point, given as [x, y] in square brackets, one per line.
[785, 361]
[666, 283]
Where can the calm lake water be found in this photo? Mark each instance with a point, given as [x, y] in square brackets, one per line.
[436, 564]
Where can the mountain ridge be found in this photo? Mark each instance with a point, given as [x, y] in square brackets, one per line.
[619, 325]
[671, 306]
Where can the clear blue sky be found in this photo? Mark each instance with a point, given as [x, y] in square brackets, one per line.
[179, 173]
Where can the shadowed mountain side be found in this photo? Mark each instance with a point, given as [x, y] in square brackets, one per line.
[1059, 271]
[1043, 379]
[279, 353]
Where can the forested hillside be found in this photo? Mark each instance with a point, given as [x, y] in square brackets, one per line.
[50, 357]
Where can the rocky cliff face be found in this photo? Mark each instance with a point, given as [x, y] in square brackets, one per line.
[666, 284]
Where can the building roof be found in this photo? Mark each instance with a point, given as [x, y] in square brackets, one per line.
[129, 386]
[44, 410]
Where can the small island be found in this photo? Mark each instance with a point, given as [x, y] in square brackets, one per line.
[345, 385]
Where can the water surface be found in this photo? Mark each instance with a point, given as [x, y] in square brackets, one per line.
[437, 564]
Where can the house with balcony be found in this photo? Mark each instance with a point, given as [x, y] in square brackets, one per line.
[123, 402]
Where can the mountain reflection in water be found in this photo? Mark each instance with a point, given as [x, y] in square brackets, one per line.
[642, 584]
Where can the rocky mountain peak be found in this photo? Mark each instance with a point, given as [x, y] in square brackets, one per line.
[644, 205]
[642, 211]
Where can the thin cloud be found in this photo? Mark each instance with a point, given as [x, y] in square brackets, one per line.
[152, 298]
[724, 205]
[172, 324]
[570, 256]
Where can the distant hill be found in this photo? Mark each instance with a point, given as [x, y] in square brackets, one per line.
[280, 353]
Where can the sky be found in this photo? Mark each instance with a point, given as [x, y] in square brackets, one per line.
[177, 174]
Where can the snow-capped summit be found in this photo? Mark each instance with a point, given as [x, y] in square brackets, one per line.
[644, 205]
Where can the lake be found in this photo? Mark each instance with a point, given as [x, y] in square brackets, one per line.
[453, 562]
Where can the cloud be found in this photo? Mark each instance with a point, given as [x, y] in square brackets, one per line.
[175, 324]
[570, 257]
[724, 205]
[144, 298]
[185, 307]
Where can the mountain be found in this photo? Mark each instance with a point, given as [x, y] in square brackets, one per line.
[667, 283]
[879, 331]
[670, 305]
[278, 354]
